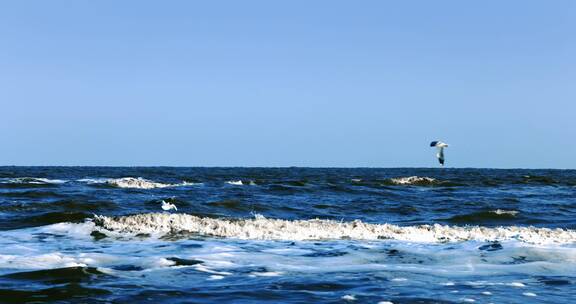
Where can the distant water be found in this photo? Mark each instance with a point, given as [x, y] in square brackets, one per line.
[239, 235]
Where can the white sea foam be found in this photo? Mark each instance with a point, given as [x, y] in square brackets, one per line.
[349, 298]
[235, 183]
[502, 212]
[31, 180]
[138, 183]
[53, 260]
[133, 182]
[203, 268]
[412, 180]
[516, 284]
[455, 263]
[240, 183]
[265, 274]
[276, 229]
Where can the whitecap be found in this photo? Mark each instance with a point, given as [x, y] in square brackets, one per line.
[133, 182]
[138, 183]
[162, 262]
[317, 229]
[31, 180]
[241, 183]
[349, 298]
[412, 180]
[507, 212]
[235, 183]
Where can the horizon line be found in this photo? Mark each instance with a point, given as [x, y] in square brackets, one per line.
[277, 167]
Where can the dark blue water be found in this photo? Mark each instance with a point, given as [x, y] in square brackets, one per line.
[223, 242]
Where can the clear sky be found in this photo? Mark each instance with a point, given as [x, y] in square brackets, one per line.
[288, 83]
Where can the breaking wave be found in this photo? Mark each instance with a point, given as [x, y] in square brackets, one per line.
[262, 228]
[241, 183]
[413, 180]
[133, 183]
[29, 182]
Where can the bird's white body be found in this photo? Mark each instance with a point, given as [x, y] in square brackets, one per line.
[168, 206]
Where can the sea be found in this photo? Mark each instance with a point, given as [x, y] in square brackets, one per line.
[286, 235]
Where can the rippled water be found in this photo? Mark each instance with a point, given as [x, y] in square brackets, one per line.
[287, 235]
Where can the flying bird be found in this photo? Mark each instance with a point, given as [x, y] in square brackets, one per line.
[440, 146]
[168, 206]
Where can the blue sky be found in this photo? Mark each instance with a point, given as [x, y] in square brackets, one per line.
[288, 83]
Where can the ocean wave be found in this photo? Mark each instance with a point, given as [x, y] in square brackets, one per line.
[133, 183]
[535, 179]
[138, 183]
[508, 212]
[413, 180]
[42, 219]
[31, 194]
[72, 274]
[61, 285]
[276, 229]
[29, 182]
[241, 183]
[485, 216]
[238, 205]
[60, 205]
[487, 181]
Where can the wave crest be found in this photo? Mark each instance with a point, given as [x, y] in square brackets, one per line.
[133, 183]
[505, 212]
[277, 229]
[413, 180]
[31, 181]
[138, 183]
[241, 183]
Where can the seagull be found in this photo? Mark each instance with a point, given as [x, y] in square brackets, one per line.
[168, 206]
[440, 146]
